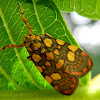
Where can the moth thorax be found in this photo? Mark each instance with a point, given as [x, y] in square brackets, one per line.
[36, 44]
[32, 41]
[27, 38]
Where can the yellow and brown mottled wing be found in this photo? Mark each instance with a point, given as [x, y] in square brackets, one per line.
[78, 63]
[61, 64]
[63, 82]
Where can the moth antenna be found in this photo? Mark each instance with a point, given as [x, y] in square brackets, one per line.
[25, 21]
[12, 46]
[30, 32]
[46, 34]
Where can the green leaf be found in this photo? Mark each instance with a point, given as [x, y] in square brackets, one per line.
[16, 72]
[65, 5]
[87, 8]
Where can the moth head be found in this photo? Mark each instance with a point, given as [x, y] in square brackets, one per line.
[32, 41]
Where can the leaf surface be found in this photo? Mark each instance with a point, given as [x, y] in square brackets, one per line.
[16, 72]
[87, 8]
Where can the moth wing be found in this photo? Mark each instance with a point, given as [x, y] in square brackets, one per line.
[66, 85]
[82, 63]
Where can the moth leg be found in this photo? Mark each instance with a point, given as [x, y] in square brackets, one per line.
[12, 46]
[29, 58]
[25, 21]
[46, 34]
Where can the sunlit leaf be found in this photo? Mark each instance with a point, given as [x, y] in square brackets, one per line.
[87, 8]
[16, 72]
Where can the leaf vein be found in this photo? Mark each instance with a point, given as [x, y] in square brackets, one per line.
[35, 9]
[16, 50]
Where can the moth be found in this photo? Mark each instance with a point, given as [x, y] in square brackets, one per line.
[60, 63]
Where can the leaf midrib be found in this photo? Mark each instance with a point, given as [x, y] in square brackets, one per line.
[17, 54]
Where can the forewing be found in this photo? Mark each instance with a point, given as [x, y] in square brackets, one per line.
[61, 64]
